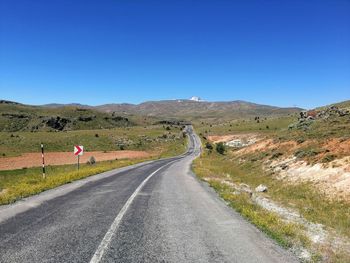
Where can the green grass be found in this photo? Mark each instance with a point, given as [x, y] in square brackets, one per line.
[266, 125]
[133, 138]
[277, 127]
[18, 117]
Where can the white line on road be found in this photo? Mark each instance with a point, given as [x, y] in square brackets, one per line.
[97, 257]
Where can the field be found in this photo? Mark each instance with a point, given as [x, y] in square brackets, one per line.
[159, 141]
[128, 138]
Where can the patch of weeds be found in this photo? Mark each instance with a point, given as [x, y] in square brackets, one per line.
[328, 158]
[276, 155]
[300, 140]
[302, 153]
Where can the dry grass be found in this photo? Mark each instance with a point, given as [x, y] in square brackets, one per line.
[304, 198]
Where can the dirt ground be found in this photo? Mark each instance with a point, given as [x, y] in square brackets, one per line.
[59, 158]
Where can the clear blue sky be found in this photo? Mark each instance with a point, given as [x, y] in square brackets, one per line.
[93, 52]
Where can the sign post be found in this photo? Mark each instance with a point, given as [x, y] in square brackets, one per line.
[78, 150]
[42, 156]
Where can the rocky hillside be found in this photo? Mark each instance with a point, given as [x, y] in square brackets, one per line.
[18, 117]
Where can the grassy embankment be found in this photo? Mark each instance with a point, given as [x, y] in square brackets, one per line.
[17, 184]
[304, 197]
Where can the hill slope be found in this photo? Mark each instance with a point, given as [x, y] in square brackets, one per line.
[19, 117]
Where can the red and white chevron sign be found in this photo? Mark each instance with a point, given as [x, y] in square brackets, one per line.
[78, 150]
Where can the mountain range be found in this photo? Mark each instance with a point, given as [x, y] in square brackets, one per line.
[189, 109]
[15, 116]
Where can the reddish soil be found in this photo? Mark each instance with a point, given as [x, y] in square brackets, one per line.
[59, 158]
[338, 146]
[269, 144]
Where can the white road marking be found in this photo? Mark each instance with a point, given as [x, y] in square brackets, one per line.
[102, 248]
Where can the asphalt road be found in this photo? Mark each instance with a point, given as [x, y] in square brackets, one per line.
[152, 212]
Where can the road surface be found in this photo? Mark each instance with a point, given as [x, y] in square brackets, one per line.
[152, 212]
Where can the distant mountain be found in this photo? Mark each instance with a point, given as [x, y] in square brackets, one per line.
[193, 109]
[58, 105]
[15, 116]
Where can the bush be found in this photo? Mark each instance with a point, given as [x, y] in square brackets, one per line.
[328, 158]
[300, 140]
[276, 155]
[209, 146]
[306, 153]
[220, 148]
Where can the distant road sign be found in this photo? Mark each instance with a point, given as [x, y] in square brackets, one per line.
[78, 150]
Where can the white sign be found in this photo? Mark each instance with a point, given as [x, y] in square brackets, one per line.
[78, 150]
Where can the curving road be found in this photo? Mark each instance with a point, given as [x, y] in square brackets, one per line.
[151, 212]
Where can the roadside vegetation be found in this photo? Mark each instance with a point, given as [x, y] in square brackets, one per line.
[221, 170]
[323, 141]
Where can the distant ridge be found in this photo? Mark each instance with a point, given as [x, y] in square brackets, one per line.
[184, 109]
[188, 108]
[58, 105]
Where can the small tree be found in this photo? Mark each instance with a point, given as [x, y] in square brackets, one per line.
[209, 146]
[220, 148]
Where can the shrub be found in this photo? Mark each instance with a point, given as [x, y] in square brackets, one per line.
[300, 140]
[276, 155]
[300, 154]
[306, 153]
[328, 158]
[220, 148]
[209, 146]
